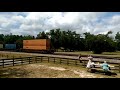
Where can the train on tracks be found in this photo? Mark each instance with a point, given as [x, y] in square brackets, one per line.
[33, 45]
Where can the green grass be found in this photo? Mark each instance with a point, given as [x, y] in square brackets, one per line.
[11, 55]
[42, 70]
[22, 71]
[108, 54]
[111, 53]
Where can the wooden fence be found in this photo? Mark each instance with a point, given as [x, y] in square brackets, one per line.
[35, 59]
[38, 59]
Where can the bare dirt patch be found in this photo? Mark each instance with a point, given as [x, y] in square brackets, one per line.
[58, 68]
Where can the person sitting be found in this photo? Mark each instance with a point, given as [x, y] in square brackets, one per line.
[105, 67]
[90, 65]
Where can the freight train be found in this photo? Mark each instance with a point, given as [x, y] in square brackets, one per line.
[34, 45]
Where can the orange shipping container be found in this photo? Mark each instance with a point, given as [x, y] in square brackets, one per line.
[36, 42]
[48, 43]
[36, 47]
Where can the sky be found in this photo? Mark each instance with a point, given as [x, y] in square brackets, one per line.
[31, 23]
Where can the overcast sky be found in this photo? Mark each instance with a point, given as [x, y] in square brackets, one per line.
[31, 23]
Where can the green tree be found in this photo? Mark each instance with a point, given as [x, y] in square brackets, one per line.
[89, 39]
[117, 38]
[103, 43]
[42, 35]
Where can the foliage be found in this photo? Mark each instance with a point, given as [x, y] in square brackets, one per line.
[70, 40]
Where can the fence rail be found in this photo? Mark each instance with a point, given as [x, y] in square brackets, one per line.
[62, 60]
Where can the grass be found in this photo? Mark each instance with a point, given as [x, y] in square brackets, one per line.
[11, 55]
[50, 70]
[108, 54]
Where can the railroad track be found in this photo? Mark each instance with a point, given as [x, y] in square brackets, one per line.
[63, 55]
[74, 57]
[37, 54]
[102, 57]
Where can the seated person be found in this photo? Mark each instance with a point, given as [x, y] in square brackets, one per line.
[90, 64]
[105, 66]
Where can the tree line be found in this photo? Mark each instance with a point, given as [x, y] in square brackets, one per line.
[70, 40]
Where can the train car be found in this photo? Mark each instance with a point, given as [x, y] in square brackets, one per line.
[10, 47]
[37, 45]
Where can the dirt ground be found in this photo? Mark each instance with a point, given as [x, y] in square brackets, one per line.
[50, 70]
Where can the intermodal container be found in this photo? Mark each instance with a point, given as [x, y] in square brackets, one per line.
[10, 46]
[37, 44]
[35, 47]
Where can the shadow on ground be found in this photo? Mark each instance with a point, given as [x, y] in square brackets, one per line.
[102, 72]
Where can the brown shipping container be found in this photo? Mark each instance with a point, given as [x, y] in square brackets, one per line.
[48, 44]
[35, 47]
[37, 44]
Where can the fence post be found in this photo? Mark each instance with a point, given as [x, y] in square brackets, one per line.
[83, 63]
[67, 61]
[54, 59]
[80, 60]
[13, 61]
[60, 60]
[48, 59]
[3, 63]
[119, 67]
[21, 60]
[29, 60]
[41, 58]
[35, 59]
